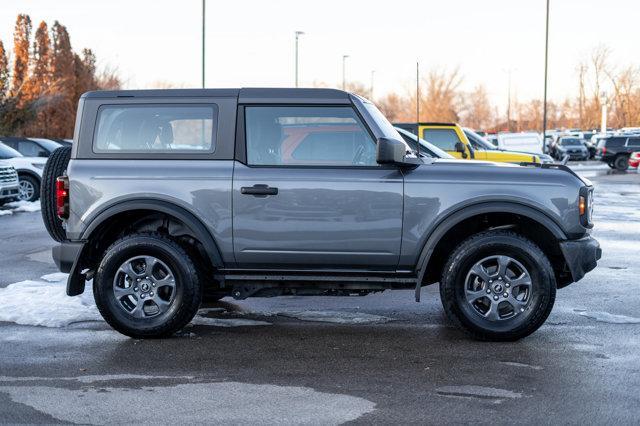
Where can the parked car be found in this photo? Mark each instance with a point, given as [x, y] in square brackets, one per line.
[571, 146]
[267, 192]
[492, 138]
[29, 171]
[31, 147]
[9, 186]
[480, 143]
[426, 149]
[616, 150]
[634, 160]
[451, 138]
[530, 142]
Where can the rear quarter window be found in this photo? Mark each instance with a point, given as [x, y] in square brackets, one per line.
[156, 129]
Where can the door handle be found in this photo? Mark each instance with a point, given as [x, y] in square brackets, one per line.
[259, 190]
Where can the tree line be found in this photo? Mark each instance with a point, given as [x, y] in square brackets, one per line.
[442, 99]
[41, 84]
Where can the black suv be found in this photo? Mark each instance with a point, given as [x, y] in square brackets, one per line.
[615, 150]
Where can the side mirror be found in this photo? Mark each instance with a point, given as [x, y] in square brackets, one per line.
[460, 149]
[390, 151]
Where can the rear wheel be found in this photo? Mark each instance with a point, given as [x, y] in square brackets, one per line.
[621, 162]
[498, 286]
[55, 167]
[147, 286]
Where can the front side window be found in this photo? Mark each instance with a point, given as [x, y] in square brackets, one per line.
[156, 128]
[444, 139]
[313, 136]
[29, 149]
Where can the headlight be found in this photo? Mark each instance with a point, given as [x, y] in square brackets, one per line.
[38, 165]
[585, 206]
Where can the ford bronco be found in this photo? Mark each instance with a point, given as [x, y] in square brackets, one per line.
[171, 196]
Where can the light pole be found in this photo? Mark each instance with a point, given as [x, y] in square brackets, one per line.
[546, 63]
[509, 71]
[344, 79]
[203, 11]
[298, 34]
[373, 73]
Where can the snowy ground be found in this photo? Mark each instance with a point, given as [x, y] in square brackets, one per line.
[375, 359]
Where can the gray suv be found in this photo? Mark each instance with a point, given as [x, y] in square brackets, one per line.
[169, 197]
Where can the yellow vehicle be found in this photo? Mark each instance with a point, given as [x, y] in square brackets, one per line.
[452, 138]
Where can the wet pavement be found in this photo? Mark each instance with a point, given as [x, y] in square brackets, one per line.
[376, 359]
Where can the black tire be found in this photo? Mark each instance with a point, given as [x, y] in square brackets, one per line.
[621, 162]
[188, 291]
[481, 246]
[35, 184]
[55, 167]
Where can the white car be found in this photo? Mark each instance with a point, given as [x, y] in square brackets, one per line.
[529, 142]
[9, 187]
[29, 172]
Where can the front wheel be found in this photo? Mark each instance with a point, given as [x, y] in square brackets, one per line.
[147, 286]
[498, 285]
[29, 188]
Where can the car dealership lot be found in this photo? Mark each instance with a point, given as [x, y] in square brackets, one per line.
[381, 358]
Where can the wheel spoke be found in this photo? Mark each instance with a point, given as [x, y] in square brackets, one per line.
[127, 268]
[121, 292]
[149, 263]
[162, 305]
[503, 263]
[522, 280]
[472, 296]
[516, 304]
[138, 311]
[492, 313]
[479, 270]
[167, 281]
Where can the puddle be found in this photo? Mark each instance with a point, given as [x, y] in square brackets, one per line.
[335, 317]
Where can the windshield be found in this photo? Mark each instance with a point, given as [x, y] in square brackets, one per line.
[48, 144]
[386, 127]
[425, 147]
[570, 142]
[478, 142]
[7, 152]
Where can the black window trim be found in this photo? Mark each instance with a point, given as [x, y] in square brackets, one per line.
[241, 145]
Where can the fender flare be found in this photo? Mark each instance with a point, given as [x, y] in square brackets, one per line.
[189, 219]
[451, 220]
[29, 173]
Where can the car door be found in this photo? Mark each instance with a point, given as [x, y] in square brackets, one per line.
[309, 193]
[446, 138]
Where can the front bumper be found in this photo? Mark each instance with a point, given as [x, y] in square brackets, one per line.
[9, 191]
[581, 255]
[67, 256]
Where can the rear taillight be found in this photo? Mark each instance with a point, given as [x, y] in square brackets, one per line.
[62, 197]
[604, 149]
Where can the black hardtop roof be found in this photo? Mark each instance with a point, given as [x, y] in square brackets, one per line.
[244, 95]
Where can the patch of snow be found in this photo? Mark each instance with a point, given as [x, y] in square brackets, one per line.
[91, 378]
[55, 277]
[192, 402]
[609, 318]
[45, 303]
[521, 365]
[226, 322]
[335, 317]
[25, 206]
[481, 392]
[5, 212]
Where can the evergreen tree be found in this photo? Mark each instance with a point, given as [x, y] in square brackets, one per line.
[21, 37]
[4, 72]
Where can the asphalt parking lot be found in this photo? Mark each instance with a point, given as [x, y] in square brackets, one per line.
[377, 359]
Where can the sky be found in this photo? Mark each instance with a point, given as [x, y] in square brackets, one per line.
[251, 42]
